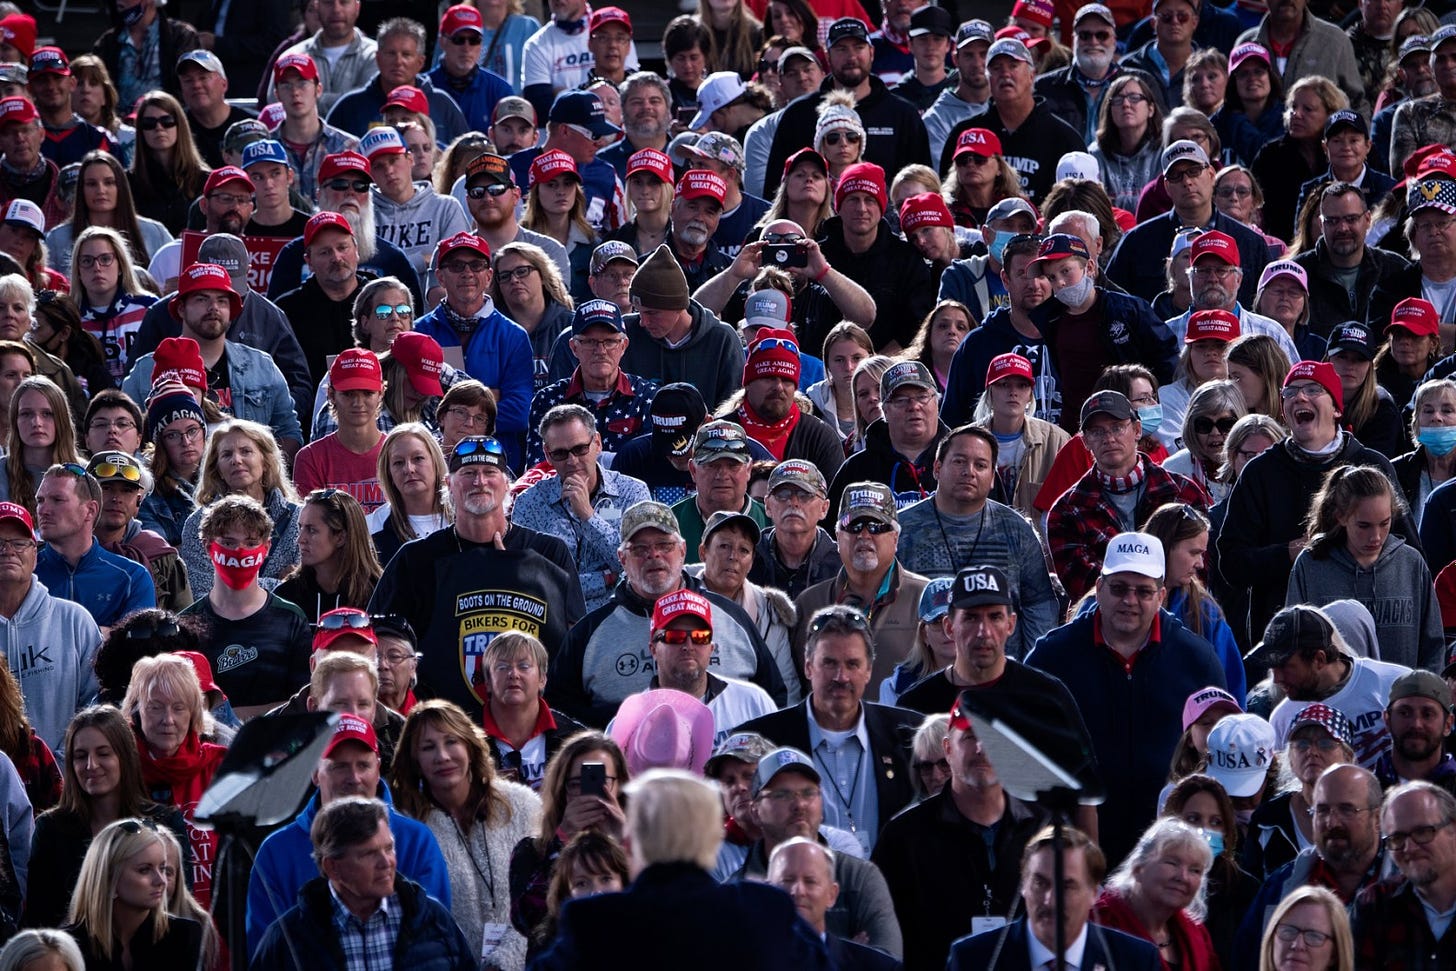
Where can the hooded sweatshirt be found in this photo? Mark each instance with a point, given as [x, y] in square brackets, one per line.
[51, 644]
[1397, 589]
[417, 225]
[151, 550]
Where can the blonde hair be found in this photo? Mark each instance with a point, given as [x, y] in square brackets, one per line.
[22, 486]
[126, 278]
[1344, 956]
[91, 904]
[337, 661]
[171, 676]
[181, 902]
[674, 817]
[212, 485]
[398, 518]
[1323, 88]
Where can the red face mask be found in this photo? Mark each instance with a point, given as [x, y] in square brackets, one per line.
[237, 568]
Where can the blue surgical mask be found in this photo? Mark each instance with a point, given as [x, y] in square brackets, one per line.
[997, 246]
[1215, 840]
[1439, 440]
[1151, 417]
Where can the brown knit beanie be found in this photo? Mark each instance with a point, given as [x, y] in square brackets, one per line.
[659, 283]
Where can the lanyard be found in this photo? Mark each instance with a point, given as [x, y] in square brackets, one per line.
[486, 875]
[955, 562]
[848, 803]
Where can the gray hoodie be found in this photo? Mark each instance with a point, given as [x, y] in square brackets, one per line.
[417, 225]
[1352, 619]
[1397, 590]
[51, 644]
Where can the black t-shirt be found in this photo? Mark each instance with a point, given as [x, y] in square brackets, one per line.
[209, 140]
[259, 659]
[290, 229]
[934, 695]
[219, 384]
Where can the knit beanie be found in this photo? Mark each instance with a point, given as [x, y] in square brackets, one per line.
[180, 356]
[773, 354]
[170, 401]
[862, 177]
[836, 112]
[659, 283]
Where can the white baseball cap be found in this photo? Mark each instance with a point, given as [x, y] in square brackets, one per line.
[1240, 748]
[1079, 165]
[1135, 553]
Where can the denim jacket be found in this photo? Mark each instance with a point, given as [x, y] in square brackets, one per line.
[260, 392]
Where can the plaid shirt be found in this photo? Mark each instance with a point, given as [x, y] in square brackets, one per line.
[368, 945]
[1391, 932]
[1082, 521]
[39, 772]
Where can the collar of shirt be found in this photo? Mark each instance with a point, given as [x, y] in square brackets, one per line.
[575, 389]
[816, 733]
[545, 721]
[1041, 955]
[344, 914]
[1155, 636]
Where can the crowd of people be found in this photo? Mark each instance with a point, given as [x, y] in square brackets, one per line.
[680, 489]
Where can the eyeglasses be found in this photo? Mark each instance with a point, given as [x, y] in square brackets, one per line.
[465, 39]
[1101, 432]
[785, 796]
[1222, 271]
[559, 455]
[111, 470]
[875, 527]
[16, 545]
[641, 551]
[1310, 391]
[1185, 174]
[465, 266]
[467, 418]
[1288, 933]
[229, 199]
[1120, 591]
[1134, 99]
[923, 399]
[494, 190]
[1344, 810]
[345, 621]
[1206, 426]
[164, 628]
[519, 273]
[106, 424]
[1421, 835]
[677, 638]
[524, 666]
[1324, 744]
[395, 658]
[347, 185]
[387, 310]
[791, 494]
[101, 259]
[849, 137]
[1174, 17]
[176, 436]
[1354, 220]
[597, 343]
[930, 766]
[154, 122]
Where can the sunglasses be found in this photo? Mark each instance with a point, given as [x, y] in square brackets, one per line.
[110, 470]
[677, 638]
[134, 826]
[835, 137]
[465, 39]
[875, 527]
[839, 615]
[495, 191]
[781, 238]
[776, 344]
[483, 444]
[386, 310]
[167, 122]
[348, 185]
[165, 628]
[1203, 426]
[79, 471]
[345, 621]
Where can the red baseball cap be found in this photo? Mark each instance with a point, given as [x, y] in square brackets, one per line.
[1005, 366]
[460, 17]
[468, 241]
[1212, 325]
[805, 155]
[423, 360]
[49, 60]
[202, 667]
[978, 141]
[17, 109]
[356, 369]
[180, 356]
[301, 63]
[702, 184]
[1321, 373]
[352, 728]
[408, 97]
[1036, 11]
[1415, 315]
[925, 209]
[221, 177]
[341, 622]
[343, 163]
[1437, 163]
[1216, 244]
[320, 221]
[13, 510]
[651, 160]
[200, 277]
[609, 15]
[681, 603]
[548, 165]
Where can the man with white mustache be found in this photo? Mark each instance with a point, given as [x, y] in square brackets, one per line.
[795, 552]
[1074, 93]
[696, 209]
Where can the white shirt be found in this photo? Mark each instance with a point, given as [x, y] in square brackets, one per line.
[1041, 955]
[1362, 700]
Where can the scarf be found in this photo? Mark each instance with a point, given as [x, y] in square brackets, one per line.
[462, 324]
[773, 436]
[1120, 484]
[187, 774]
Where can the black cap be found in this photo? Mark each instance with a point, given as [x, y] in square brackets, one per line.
[932, 20]
[1345, 118]
[980, 586]
[1355, 337]
[1292, 630]
[1107, 403]
[847, 27]
[676, 412]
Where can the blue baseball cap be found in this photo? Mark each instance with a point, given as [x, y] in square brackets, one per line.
[583, 109]
[266, 150]
[597, 313]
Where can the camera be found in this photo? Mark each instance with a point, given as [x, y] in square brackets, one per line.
[785, 255]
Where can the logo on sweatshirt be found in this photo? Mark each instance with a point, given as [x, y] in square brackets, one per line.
[235, 656]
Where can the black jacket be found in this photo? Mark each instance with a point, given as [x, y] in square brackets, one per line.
[1391, 290]
[1033, 149]
[941, 873]
[890, 729]
[1066, 99]
[1329, 304]
[251, 33]
[180, 947]
[822, 564]
[1137, 263]
[1007, 950]
[910, 477]
[892, 271]
[895, 134]
[175, 38]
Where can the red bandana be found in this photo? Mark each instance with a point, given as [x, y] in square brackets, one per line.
[772, 436]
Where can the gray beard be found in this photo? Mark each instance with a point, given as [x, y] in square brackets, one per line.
[363, 226]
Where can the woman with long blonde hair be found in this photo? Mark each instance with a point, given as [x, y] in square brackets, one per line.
[41, 435]
[804, 194]
[166, 172]
[412, 474]
[527, 287]
[119, 912]
[181, 902]
[1317, 916]
[445, 777]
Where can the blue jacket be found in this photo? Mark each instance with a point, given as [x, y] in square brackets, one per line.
[1133, 717]
[260, 391]
[1141, 339]
[107, 585]
[967, 377]
[477, 101]
[498, 355]
[284, 866]
[357, 110]
[1137, 263]
[1217, 632]
[305, 937]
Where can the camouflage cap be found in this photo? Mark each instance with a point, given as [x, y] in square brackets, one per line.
[801, 475]
[648, 514]
[867, 500]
